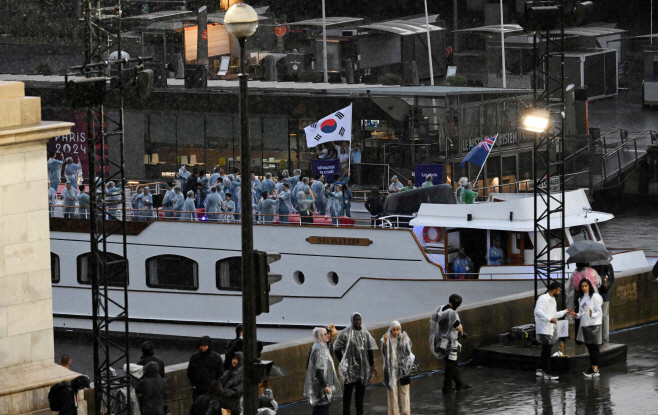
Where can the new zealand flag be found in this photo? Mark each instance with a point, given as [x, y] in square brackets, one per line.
[478, 154]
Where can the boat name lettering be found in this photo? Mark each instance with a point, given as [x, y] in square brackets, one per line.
[330, 240]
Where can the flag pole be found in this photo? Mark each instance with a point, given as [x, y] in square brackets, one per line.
[485, 162]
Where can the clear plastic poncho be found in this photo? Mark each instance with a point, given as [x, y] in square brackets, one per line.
[403, 364]
[320, 359]
[354, 344]
[443, 336]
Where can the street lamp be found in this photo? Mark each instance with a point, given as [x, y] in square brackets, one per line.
[536, 120]
[241, 21]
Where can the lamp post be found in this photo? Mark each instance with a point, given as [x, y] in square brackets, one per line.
[241, 21]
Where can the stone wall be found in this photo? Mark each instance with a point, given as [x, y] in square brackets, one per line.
[27, 367]
[634, 302]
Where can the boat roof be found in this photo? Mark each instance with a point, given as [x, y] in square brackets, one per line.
[509, 211]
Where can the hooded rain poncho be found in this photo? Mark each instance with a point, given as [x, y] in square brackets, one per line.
[397, 357]
[232, 386]
[443, 335]
[354, 344]
[321, 373]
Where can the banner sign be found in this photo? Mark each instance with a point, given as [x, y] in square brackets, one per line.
[504, 140]
[422, 170]
[327, 168]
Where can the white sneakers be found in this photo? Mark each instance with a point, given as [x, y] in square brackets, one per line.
[547, 376]
[591, 373]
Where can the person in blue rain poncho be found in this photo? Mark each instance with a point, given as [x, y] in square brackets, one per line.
[189, 208]
[168, 201]
[285, 204]
[318, 189]
[268, 184]
[212, 204]
[83, 203]
[71, 171]
[266, 206]
[55, 170]
[228, 207]
[336, 204]
[69, 195]
[146, 205]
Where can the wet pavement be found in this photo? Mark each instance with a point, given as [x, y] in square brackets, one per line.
[630, 388]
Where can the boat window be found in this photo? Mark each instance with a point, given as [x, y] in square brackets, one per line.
[172, 271]
[228, 274]
[332, 279]
[527, 242]
[117, 271]
[596, 232]
[579, 233]
[54, 268]
[298, 277]
[554, 239]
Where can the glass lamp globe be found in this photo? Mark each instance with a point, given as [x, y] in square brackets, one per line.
[241, 20]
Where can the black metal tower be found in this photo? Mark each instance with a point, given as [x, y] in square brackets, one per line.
[548, 179]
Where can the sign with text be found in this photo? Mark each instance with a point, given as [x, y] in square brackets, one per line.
[422, 170]
[555, 184]
[327, 168]
[330, 240]
[73, 145]
[503, 140]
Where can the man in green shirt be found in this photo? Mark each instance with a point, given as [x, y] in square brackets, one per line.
[468, 195]
[409, 186]
[428, 181]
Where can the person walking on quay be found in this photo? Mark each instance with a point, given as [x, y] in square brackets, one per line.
[68, 395]
[607, 276]
[150, 390]
[210, 402]
[353, 347]
[148, 355]
[590, 316]
[321, 385]
[398, 363]
[445, 328]
[546, 316]
[65, 361]
[204, 367]
[583, 271]
[375, 206]
[233, 346]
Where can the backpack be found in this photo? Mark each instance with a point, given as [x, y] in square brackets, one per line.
[55, 396]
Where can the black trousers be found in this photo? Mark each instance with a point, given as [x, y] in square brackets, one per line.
[594, 353]
[359, 395]
[546, 351]
[452, 374]
[321, 409]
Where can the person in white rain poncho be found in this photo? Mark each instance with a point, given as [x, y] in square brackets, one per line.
[445, 328]
[398, 363]
[322, 384]
[353, 347]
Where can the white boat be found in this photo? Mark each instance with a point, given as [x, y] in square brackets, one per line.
[183, 279]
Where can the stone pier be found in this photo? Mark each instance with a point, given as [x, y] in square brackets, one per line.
[27, 361]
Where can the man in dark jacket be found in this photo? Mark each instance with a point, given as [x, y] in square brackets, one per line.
[375, 206]
[151, 391]
[204, 367]
[148, 355]
[607, 275]
[69, 400]
[232, 388]
[192, 182]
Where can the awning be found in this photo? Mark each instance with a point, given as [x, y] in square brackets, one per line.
[401, 27]
[507, 28]
[330, 21]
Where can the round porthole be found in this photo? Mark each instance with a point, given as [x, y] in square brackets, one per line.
[332, 278]
[298, 277]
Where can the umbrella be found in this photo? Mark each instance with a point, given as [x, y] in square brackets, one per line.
[587, 252]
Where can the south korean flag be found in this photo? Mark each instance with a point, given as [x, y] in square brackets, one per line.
[334, 127]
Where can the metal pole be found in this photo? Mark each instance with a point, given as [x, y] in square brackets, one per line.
[454, 26]
[429, 48]
[651, 38]
[324, 44]
[248, 283]
[502, 42]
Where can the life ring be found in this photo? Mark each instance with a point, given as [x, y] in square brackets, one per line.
[431, 234]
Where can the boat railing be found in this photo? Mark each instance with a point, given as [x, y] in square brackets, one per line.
[396, 221]
[490, 276]
[159, 214]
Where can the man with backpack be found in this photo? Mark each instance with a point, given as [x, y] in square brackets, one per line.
[63, 397]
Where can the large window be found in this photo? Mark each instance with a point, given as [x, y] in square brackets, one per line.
[579, 233]
[117, 270]
[229, 274]
[54, 268]
[173, 272]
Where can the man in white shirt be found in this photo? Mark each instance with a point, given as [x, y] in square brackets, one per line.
[546, 316]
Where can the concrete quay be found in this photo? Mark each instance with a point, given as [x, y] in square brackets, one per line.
[634, 302]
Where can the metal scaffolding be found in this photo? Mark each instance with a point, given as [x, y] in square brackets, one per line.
[549, 93]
